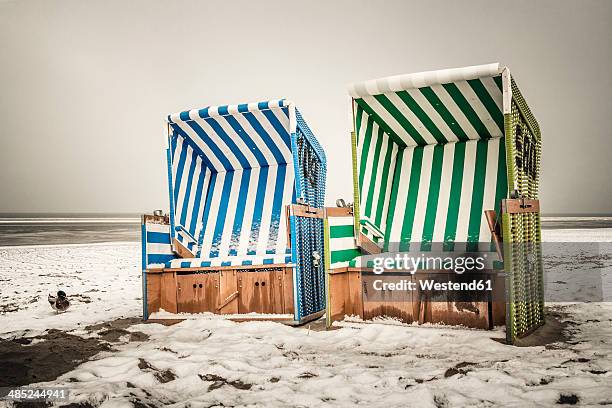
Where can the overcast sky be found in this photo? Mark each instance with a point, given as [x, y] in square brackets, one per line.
[85, 85]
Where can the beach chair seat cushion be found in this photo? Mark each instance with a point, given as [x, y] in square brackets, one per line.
[246, 260]
[369, 261]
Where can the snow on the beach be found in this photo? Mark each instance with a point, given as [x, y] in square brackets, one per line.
[577, 265]
[210, 361]
[216, 362]
[102, 281]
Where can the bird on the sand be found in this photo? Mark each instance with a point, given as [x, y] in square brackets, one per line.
[59, 303]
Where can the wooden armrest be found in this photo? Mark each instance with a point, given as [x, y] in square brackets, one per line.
[367, 246]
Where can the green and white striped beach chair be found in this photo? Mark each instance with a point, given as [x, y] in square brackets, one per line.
[432, 152]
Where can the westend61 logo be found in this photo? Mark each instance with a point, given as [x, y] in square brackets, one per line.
[406, 262]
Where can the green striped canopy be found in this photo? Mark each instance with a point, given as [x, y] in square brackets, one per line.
[430, 156]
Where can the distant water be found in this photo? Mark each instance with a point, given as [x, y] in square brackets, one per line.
[54, 229]
[576, 222]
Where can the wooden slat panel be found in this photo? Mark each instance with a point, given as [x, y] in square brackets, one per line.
[345, 294]
[254, 289]
[498, 307]
[519, 205]
[228, 285]
[348, 298]
[355, 299]
[155, 219]
[180, 249]
[338, 294]
[441, 306]
[396, 303]
[288, 290]
[367, 245]
[197, 293]
[306, 211]
[342, 270]
[227, 301]
[153, 292]
[277, 291]
[168, 292]
[469, 314]
[175, 293]
[338, 211]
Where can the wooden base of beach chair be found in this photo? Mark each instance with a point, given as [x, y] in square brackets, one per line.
[229, 290]
[289, 321]
[348, 297]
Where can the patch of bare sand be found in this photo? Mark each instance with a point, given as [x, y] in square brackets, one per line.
[23, 361]
[30, 360]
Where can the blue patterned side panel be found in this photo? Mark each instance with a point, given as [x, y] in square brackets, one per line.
[312, 140]
[308, 238]
[311, 278]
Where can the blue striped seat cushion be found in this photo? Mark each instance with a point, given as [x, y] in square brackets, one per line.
[270, 259]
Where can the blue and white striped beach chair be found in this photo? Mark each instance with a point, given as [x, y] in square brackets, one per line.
[245, 229]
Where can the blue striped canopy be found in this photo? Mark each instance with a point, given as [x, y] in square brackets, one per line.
[232, 169]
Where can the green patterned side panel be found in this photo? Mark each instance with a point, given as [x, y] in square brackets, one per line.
[517, 97]
[523, 148]
[524, 274]
[355, 180]
[522, 232]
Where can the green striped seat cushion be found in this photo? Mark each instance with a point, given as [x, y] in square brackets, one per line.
[388, 261]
